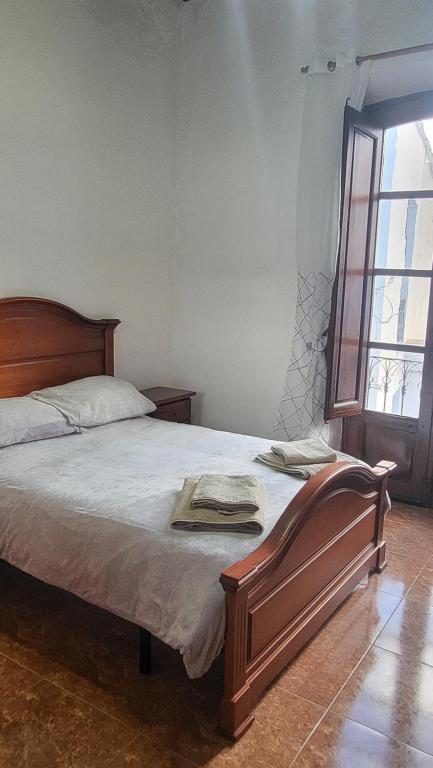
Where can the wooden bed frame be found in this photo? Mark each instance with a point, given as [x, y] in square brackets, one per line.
[329, 537]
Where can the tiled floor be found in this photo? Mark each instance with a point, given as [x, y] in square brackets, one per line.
[359, 695]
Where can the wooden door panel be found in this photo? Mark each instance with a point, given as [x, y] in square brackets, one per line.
[384, 434]
[353, 279]
[347, 358]
[373, 436]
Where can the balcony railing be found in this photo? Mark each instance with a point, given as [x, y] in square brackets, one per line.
[394, 385]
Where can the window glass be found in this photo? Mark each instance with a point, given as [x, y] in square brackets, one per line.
[399, 310]
[394, 382]
[405, 234]
[408, 157]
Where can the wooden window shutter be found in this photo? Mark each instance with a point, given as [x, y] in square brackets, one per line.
[349, 325]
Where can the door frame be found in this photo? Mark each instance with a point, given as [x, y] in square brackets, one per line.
[419, 489]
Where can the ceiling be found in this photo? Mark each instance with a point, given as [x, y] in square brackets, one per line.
[400, 76]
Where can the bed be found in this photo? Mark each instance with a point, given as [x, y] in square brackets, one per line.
[99, 505]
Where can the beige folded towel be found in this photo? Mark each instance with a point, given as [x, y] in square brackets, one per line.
[305, 452]
[189, 518]
[301, 471]
[228, 493]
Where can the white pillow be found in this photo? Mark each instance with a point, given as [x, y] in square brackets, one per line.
[23, 420]
[96, 400]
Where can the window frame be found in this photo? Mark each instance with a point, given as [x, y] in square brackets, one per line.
[408, 195]
[378, 117]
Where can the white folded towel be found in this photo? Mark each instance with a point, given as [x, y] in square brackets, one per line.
[305, 452]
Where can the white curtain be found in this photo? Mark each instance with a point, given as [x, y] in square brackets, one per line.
[300, 413]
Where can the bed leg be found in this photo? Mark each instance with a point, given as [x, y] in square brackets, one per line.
[384, 505]
[236, 715]
[382, 562]
[145, 651]
[236, 706]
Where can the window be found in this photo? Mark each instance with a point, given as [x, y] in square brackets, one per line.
[377, 336]
[380, 342]
[402, 271]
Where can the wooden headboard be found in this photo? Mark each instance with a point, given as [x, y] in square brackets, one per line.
[43, 343]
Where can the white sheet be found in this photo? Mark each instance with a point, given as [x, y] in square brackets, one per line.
[90, 513]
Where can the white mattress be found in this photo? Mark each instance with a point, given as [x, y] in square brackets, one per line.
[90, 513]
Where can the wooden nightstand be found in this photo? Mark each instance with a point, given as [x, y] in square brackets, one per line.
[171, 404]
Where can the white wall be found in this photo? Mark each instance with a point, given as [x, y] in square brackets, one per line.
[176, 215]
[238, 138]
[86, 166]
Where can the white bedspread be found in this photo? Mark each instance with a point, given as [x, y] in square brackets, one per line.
[90, 513]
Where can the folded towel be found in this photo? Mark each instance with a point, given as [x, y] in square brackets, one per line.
[228, 493]
[311, 451]
[302, 471]
[189, 518]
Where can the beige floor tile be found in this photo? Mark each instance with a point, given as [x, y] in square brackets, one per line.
[422, 588]
[398, 576]
[417, 517]
[47, 728]
[339, 743]
[15, 678]
[141, 753]
[282, 724]
[320, 670]
[364, 613]
[392, 694]
[405, 539]
[410, 632]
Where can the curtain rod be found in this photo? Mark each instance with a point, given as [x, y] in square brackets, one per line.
[331, 65]
[397, 52]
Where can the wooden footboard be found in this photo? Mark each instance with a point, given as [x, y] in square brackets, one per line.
[328, 538]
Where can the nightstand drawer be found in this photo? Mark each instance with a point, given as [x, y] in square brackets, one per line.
[180, 412]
